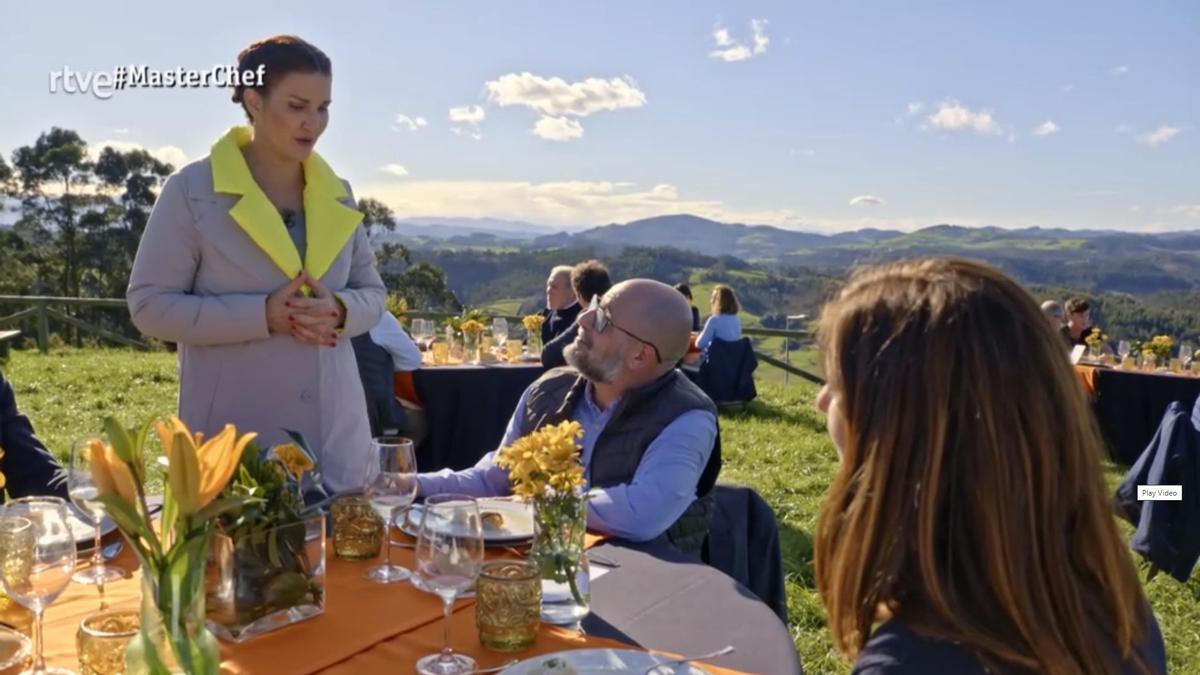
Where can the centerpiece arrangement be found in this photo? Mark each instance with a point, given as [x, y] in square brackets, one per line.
[266, 566]
[545, 468]
[1158, 350]
[533, 328]
[1095, 342]
[173, 635]
[472, 331]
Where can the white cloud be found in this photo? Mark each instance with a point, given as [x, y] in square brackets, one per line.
[915, 107]
[122, 131]
[406, 123]
[867, 200]
[1185, 210]
[1046, 128]
[1120, 70]
[1068, 88]
[731, 50]
[170, 154]
[468, 114]
[557, 128]
[469, 132]
[394, 169]
[1159, 136]
[953, 116]
[555, 96]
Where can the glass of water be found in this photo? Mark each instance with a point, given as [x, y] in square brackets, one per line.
[391, 490]
[449, 557]
[1123, 349]
[500, 330]
[84, 493]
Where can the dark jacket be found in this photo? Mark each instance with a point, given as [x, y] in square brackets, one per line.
[727, 371]
[552, 351]
[375, 369]
[695, 319]
[28, 466]
[558, 321]
[743, 542]
[1168, 532]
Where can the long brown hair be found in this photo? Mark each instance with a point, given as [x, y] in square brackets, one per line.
[970, 500]
[724, 300]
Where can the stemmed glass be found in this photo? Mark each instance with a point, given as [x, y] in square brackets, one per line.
[1185, 354]
[391, 490]
[83, 491]
[449, 557]
[37, 557]
[1123, 349]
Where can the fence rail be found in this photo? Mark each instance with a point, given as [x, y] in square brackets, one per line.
[41, 309]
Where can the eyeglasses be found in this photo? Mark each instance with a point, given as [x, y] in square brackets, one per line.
[603, 320]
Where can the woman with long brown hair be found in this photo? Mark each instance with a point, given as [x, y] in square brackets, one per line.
[969, 522]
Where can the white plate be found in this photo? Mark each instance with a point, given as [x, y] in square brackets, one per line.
[598, 661]
[517, 526]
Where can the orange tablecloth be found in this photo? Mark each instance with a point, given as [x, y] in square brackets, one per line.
[366, 627]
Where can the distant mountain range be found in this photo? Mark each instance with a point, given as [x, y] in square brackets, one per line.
[1098, 259]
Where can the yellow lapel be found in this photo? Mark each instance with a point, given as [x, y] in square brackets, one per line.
[330, 223]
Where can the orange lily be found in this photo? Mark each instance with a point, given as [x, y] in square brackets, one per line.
[199, 471]
[112, 476]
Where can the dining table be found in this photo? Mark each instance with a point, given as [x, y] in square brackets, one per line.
[467, 408]
[1129, 404]
[644, 596]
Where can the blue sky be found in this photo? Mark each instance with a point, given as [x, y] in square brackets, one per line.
[821, 116]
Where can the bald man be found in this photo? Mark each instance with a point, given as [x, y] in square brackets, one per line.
[562, 308]
[651, 447]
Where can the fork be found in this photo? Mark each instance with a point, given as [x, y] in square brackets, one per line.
[675, 663]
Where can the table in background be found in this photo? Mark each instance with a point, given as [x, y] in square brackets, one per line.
[1129, 405]
[467, 409]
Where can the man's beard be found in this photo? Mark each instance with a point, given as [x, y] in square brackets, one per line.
[603, 373]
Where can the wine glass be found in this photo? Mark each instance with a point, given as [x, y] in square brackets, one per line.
[500, 330]
[1185, 353]
[449, 557]
[391, 491]
[36, 560]
[1123, 349]
[83, 491]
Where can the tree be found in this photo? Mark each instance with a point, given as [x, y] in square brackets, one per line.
[423, 286]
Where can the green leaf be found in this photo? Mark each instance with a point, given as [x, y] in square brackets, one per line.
[118, 436]
[220, 506]
[131, 522]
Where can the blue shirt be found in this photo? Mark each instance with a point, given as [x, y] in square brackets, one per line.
[726, 327]
[662, 488]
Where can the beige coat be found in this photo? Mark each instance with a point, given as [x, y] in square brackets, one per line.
[201, 280]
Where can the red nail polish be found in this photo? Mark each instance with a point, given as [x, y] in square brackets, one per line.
[291, 318]
[332, 344]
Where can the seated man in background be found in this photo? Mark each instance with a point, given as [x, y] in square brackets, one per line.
[28, 467]
[384, 350]
[588, 280]
[1079, 320]
[651, 447]
[561, 305]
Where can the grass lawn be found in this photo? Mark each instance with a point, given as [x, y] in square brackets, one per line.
[778, 446]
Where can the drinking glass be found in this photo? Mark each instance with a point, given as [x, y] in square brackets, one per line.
[500, 330]
[449, 557]
[1185, 353]
[102, 639]
[36, 560]
[391, 491]
[84, 493]
[1123, 349]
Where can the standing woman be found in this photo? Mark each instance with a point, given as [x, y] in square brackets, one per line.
[255, 262]
[968, 529]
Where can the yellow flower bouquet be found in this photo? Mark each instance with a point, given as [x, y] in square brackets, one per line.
[533, 328]
[173, 634]
[545, 468]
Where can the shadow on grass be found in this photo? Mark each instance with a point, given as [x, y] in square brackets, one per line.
[797, 546]
[763, 411]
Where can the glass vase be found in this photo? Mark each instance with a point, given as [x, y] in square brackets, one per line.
[559, 550]
[471, 345]
[261, 580]
[535, 344]
[173, 636]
